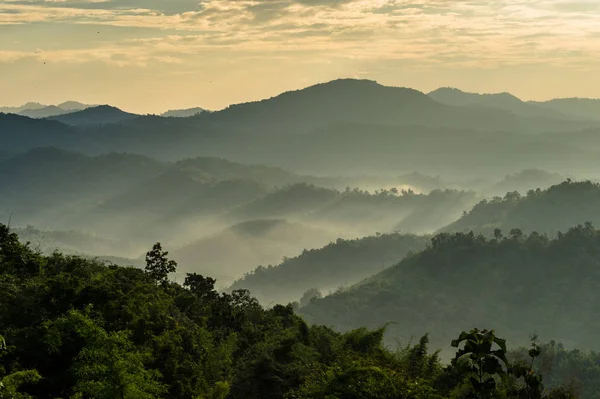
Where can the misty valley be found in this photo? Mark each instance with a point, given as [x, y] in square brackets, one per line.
[347, 240]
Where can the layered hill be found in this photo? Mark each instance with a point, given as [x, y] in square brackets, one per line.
[578, 107]
[231, 253]
[100, 115]
[20, 133]
[183, 113]
[504, 101]
[546, 211]
[340, 263]
[520, 285]
[51, 110]
[359, 211]
[320, 124]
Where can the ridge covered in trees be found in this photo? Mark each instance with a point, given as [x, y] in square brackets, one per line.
[516, 283]
[340, 263]
[546, 211]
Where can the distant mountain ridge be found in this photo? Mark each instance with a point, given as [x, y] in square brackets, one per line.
[37, 110]
[557, 108]
[102, 114]
[339, 127]
[51, 110]
[183, 113]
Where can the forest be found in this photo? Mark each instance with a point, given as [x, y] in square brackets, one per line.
[76, 328]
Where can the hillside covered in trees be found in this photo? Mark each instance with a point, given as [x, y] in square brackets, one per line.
[546, 211]
[81, 329]
[340, 263]
[521, 284]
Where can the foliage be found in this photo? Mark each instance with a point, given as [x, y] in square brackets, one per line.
[158, 266]
[518, 283]
[549, 211]
[79, 329]
[343, 262]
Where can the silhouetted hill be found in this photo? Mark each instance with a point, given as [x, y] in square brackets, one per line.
[183, 113]
[546, 211]
[503, 101]
[20, 133]
[45, 112]
[521, 285]
[346, 127]
[340, 263]
[53, 186]
[356, 149]
[74, 106]
[16, 110]
[363, 101]
[359, 212]
[576, 107]
[224, 169]
[176, 202]
[524, 180]
[102, 114]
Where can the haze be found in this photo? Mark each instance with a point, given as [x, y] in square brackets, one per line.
[150, 56]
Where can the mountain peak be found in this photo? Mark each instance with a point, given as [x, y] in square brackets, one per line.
[100, 114]
[73, 106]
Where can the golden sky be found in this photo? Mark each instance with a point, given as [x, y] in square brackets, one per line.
[154, 55]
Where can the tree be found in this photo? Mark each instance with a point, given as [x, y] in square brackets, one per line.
[10, 384]
[109, 367]
[202, 287]
[481, 364]
[158, 266]
[309, 295]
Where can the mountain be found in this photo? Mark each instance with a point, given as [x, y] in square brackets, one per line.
[174, 205]
[503, 101]
[519, 285]
[367, 102]
[57, 189]
[74, 106]
[100, 115]
[223, 169]
[560, 108]
[20, 133]
[523, 181]
[183, 113]
[340, 263]
[229, 254]
[344, 127]
[45, 112]
[358, 212]
[16, 110]
[546, 211]
[576, 107]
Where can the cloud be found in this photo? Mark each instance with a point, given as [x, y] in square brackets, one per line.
[438, 32]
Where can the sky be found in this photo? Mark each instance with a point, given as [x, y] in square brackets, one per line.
[152, 55]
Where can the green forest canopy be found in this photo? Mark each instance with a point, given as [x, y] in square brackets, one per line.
[75, 328]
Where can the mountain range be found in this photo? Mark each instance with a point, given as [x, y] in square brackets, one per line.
[561, 108]
[37, 110]
[343, 127]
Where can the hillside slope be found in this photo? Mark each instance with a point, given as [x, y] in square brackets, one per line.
[546, 211]
[520, 284]
[340, 263]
